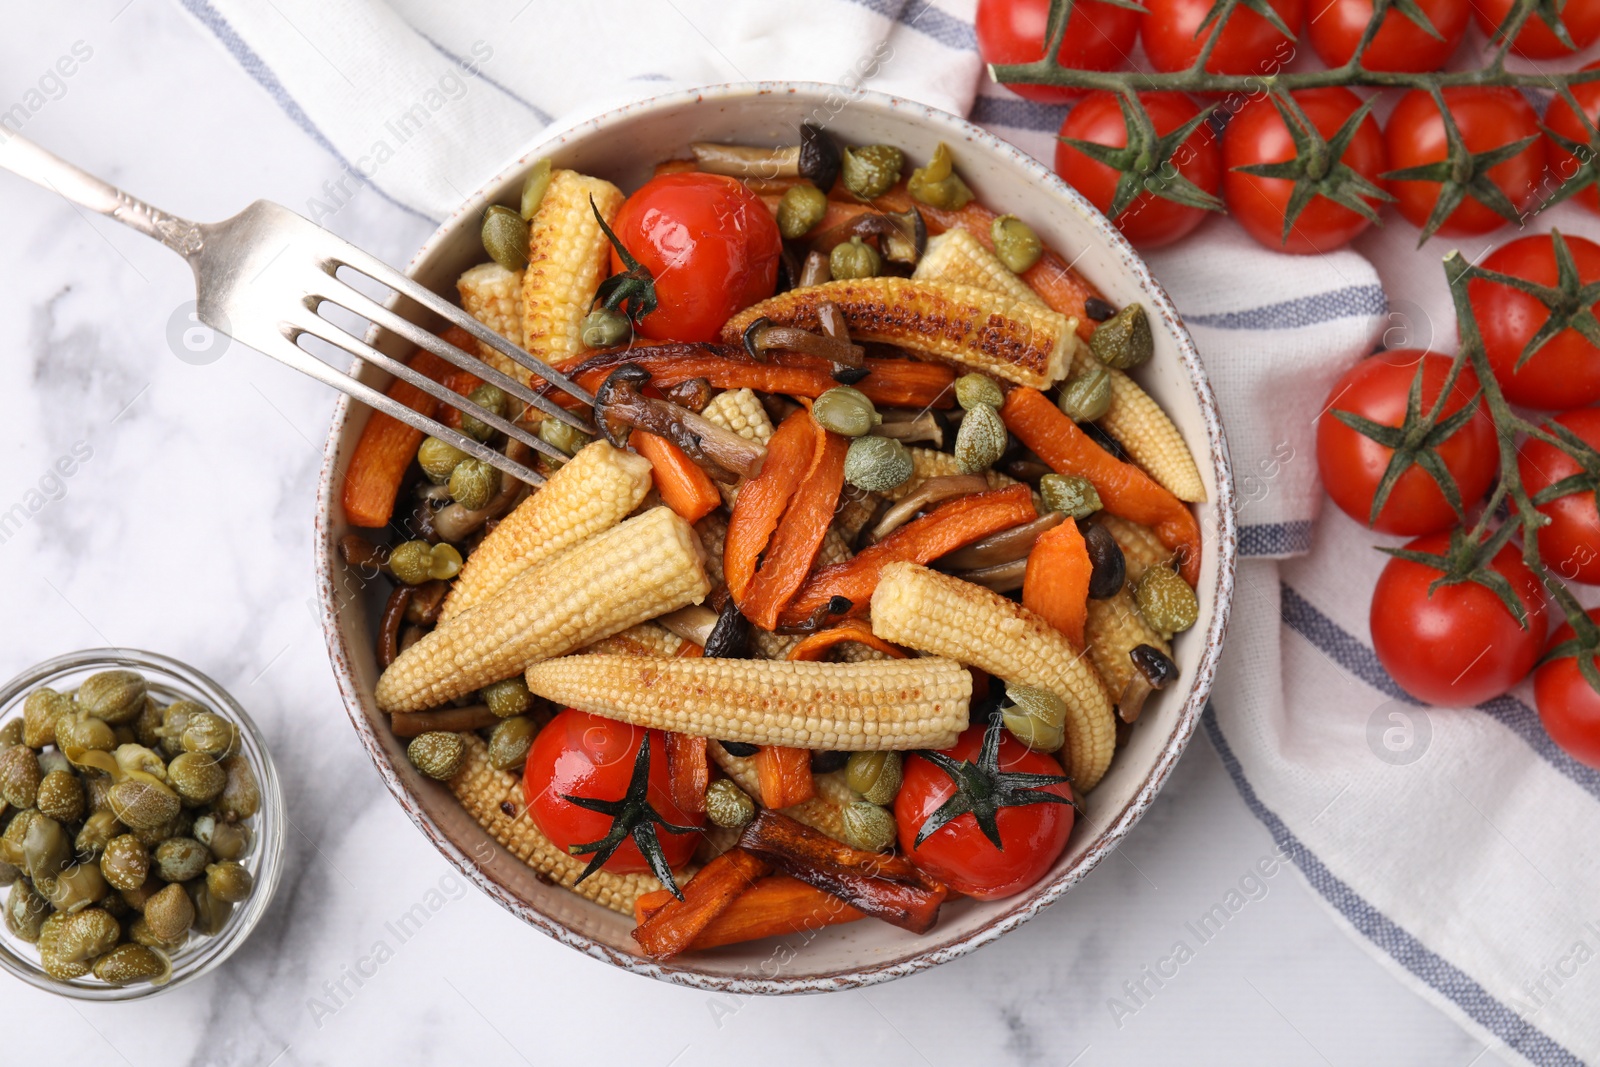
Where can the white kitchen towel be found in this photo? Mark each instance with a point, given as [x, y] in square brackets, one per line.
[1459, 844]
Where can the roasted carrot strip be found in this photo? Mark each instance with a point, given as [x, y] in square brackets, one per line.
[816, 646]
[688, 650]
[953, 525]
[1056, 583]
[675, 166]
[1124, 489]
[784, 775]
[688, 769]
[762, 500]
[386, 448]
[683, 486]
[775, 905]
[458, 380]
[708, 894]
[794, 544]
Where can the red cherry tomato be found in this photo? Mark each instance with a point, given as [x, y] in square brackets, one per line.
[1249, 45]
[1461, 645]
[1352, 464]
[1570, 544]
[1257, 134]
[1149, 221]
[1561, 119]
[711, 245]
[1488, 119]
[958, 854]
[1337, 25]
[583, 755]
[1565, 372]
[1099, 37]
[1568, 704]
[1534, 40]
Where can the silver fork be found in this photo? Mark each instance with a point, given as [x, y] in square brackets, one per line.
[264, 277]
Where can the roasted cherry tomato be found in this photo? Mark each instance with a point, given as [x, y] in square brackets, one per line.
[1570, 544]
[1565, 371]
[1488, 118]
[1352, 464]
[1559, 118]
[1250, 44]
[1459, 645]
[1534, 40]
[958, 853]
[1568, 705]
[1149, 221]
[1099, 37]
[710, 244]
[1337, 25]
[583, 755]
[1257, 134]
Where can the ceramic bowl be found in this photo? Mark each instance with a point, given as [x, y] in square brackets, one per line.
[622, 145]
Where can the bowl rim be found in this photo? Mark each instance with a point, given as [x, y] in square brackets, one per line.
[1038, 897]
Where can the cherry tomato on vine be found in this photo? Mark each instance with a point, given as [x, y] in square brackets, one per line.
[1488, 118]
[1258, 134]
[1534, 40]
[1565, 371]
[1149, 221]
[1401, 45]
[1570, 544]
[1459, 645]
[1352, 465]
[1250, 44]
[1099, 37]
[1561, 119]
[710, 244]
[1568, 706]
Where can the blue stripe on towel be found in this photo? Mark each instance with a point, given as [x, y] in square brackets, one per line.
[1275, 538]
[1017, 114]
[922, 16]
[538, 112]
[1347, 303]
[1450, 981]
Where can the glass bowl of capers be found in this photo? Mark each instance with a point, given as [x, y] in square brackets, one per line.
[141, 825]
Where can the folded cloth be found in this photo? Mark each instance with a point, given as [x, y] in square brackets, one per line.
[1457, 844]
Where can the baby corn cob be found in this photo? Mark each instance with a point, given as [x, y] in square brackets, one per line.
[929, 463]
[945, 616]
[493, 295]
[1114, 628]
[495, 799]
[838, 707]
[957, 257]
[739, 410]
[834, 548]
[984, 330]
[591, 492]
[856, 509]
[713, 531]
[645, 639]
[645, 567]
[771, 645]
[568, 258]
[1136, 422]
[824, 812]
[1141, 548]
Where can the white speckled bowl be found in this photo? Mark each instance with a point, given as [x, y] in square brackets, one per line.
[623, 145]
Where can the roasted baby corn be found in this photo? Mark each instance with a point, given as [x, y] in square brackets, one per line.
[493, 295]
[713, 531]
[1114, 628]
[568, 258]
[839, 707]
[1141, 548]
[645, 639]
[1137, 423]
[944, 616]
[738, 410]
[645, 567]
[770, 645]
[930, 463]
[591, 492]
[978, 328]
[959, 258]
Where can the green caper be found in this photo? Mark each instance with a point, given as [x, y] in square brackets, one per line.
[241, 797]
[875, 775]
[136, 759]
[46, 849]
[114, 696]
[147, 727]
[226, 840]
[800, 209]
[139, 933]
[180, 825]
[9, 873]
[438, 458]
[1071, 494]
[124, 734]
[125, 862]
[75, 888]
[211, 734]
[197, 778]
[493, 400]
[1036, 717]
[845, 411]
[505, 237]
[39, 714]
[12, 733]
[877, 464]
[854, 259]
[136, 899]
[51, 759]
[727, 805]
[1087, 396]
[1165, 600]
[60, 796]
[118, 907]
[78, 732]
[80, 936]
[533, 188]
[975, 389]
[604, 328]
[19, 776]
[867, 826]
[229, 882]
[507, 698]
[141, 803]
[938, 184]
[16, 833]
[444, 561]
[981, 441]
[98, 830]
[410, 562]
[437, 754]
[174, 720]
[509, 744]
[474, 483]
[179, 859]
[871, 170]
[97, 790]
[26, 911]
[1015, 243]
[1124, 341]
[169, 914]
[210, 912]
[569, 439]
[133, 963]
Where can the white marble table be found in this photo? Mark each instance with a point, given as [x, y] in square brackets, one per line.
[188, 531]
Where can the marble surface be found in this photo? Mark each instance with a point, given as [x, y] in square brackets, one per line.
[187, 530]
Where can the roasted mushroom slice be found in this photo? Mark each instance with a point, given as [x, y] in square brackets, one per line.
[816, 158]
[620, 405]
[761, 337]
[1153, 669]
[902, 236]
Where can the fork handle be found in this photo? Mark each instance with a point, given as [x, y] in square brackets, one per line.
[21, 156]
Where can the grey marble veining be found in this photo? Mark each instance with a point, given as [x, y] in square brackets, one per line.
[187, 530]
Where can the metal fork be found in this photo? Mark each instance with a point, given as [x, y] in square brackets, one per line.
[264, 278]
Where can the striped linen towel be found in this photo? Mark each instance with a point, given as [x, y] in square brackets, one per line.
[1452, 843]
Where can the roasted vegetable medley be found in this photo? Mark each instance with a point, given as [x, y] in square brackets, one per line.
[873, 555]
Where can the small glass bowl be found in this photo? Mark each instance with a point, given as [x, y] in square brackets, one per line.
[169, 680]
